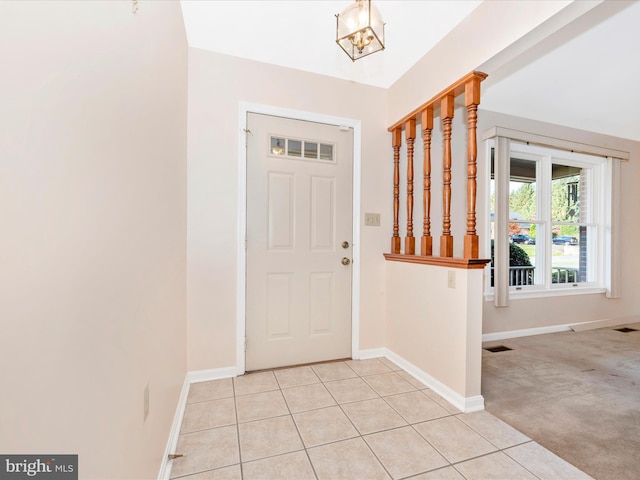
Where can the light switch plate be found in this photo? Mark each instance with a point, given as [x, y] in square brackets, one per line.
[451, 278]
[372, 219]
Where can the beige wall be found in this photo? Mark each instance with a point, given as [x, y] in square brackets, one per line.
[217, 84]
[434, 327]
[543, 312]
[97, 272]
[93, 209]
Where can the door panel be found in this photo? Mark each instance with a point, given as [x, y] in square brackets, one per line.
[321, 292]
[281, 214]
[299, 211]
[279, 287]
[322, 213]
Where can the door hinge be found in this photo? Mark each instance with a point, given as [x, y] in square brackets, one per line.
[247, 132]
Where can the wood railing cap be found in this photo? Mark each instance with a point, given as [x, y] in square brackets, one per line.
[450, 262]
[456, 89]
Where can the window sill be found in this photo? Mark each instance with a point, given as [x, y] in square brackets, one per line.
[555, 292]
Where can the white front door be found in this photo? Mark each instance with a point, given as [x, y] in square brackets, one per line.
[299, 235]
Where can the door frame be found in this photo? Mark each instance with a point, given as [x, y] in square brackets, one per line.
[244, 109]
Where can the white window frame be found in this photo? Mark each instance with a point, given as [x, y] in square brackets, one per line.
[605, 192]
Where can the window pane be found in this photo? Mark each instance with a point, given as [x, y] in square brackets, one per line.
[310, 150]
[326, 152]
[522, 188]
[568, 186]
[277, 145]
[522, 210]
[522, 251]
[294, 148]
[569, 254]
[492, 220]
[569, 239]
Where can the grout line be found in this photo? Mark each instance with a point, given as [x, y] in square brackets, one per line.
[276, 455]
[263, 419]
[416, 475]
[293, 420]
[358, 434]
[523, 466]
[457, 470]
[431, 444]
[188, 475]
[376, 456]
[356, 428]
[235, 404]
[211, 400]
[208, 428]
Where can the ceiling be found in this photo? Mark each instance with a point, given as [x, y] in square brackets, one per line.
[301, 34]
[583, 76]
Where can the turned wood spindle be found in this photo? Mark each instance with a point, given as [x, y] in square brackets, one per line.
[396, 142]
[446, 113]
[469, 85]
[471, 100]
[426, 245]
[410, 135]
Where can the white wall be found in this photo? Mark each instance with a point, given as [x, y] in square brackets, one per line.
[93, 215]
[217, 84]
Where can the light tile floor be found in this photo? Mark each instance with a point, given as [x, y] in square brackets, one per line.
[359, 419]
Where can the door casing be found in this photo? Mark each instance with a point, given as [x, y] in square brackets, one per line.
[244, 109]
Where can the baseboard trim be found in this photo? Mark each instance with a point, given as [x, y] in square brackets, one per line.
[609, 322]
[525, 332]
[370, 353]
[172, 442]
[464, 404]
[194, 376]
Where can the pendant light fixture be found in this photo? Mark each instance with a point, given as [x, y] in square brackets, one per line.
[360, 30]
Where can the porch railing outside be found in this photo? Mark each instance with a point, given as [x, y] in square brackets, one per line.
[519, 276]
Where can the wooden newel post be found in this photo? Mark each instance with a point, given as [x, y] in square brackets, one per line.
[446, 113]
[396, 142]
[426, 244]
[410, 135]
[471, 101]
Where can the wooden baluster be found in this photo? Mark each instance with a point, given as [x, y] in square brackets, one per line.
[471, 101]
[426, 246]
[446, 113]
[410, 134]
[396, 142]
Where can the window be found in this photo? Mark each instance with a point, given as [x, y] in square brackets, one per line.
[551, 212]
[294, 148]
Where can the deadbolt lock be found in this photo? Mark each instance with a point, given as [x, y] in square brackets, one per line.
[345, 244]
[346, 261]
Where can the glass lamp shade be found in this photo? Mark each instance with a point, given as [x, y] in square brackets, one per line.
[360, 30]
[277, 148]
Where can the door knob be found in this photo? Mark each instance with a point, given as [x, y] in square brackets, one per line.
[346, 261]
[345, 244]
